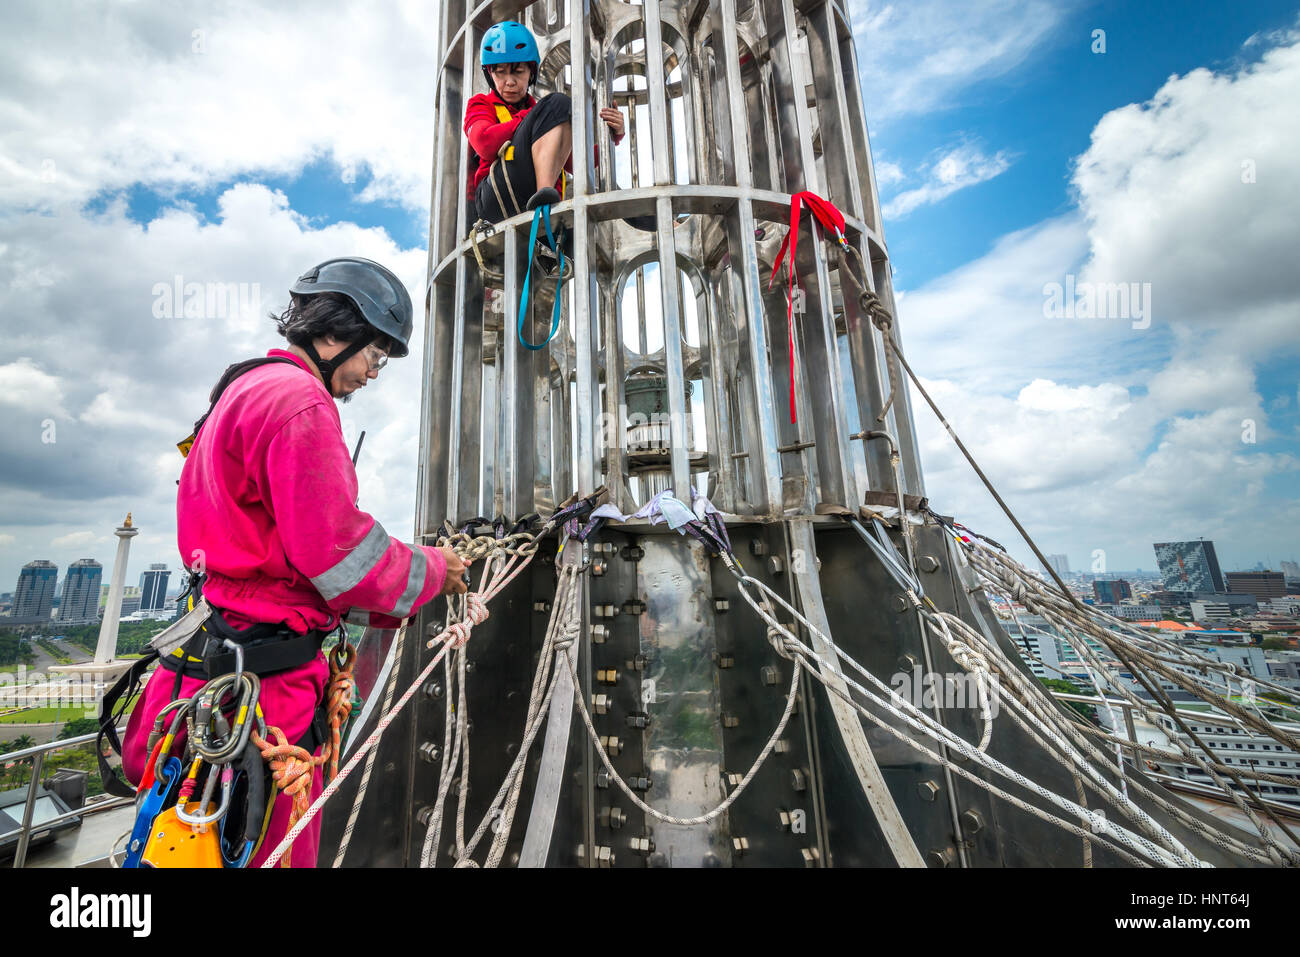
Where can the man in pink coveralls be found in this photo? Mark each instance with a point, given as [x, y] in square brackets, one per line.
[266, 506]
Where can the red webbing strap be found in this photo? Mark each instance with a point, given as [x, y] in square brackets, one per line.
[831, 220]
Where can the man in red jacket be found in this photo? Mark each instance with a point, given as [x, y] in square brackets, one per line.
[522, 146]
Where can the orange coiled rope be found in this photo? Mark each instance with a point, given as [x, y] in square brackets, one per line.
[292, 767]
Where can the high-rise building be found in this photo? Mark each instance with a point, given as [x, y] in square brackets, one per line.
[1060, 563]
[1259, 584]
[34, 596]
[1291, 572]
[153, 587]
[130, 596]
[80, 600]
[1112, 592]
[1189, 566]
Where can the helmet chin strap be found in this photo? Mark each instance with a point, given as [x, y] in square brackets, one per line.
[328, 367]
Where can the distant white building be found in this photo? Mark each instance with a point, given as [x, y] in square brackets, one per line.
[1132, 612]
[1238, 747]
[1211, 611]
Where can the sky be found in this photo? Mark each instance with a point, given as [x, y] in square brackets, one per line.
[1020, 147]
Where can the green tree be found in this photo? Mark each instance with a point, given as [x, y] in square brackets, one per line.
[77, 727]
[1069, 687]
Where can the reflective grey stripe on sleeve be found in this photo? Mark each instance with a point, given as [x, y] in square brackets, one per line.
[358, 616]
[347, 574]
[414, 583]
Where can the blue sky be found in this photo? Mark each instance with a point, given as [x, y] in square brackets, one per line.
[1044, 113]
[189, 138]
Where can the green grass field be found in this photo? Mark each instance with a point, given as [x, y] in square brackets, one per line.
[49, 715]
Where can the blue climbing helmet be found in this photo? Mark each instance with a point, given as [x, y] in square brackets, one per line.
[509, 42]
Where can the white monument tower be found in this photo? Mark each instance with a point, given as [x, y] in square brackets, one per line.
[106, 649]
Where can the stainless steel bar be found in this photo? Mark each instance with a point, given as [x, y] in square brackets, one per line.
[679, 454]
[29, 807]
[584, 281]
[761, 440]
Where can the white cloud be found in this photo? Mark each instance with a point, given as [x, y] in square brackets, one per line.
[101, 101]
[1103, 435]
[27, 386]
[1162, 189]
[133, 384]
[76, 540]
[963, 166]
[887, 173]
[924, 55]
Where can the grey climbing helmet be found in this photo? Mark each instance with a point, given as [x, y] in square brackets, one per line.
[378, 293]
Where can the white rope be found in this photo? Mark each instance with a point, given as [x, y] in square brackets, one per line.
[928, 727]
[389, 688]
[454, 636]
[1006, 575]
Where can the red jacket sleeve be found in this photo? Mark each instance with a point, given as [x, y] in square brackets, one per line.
[310, 487]
[485, 133]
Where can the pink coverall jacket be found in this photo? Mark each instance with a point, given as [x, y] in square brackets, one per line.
[266, 507]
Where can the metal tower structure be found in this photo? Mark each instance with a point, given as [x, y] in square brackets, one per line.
[672, 370]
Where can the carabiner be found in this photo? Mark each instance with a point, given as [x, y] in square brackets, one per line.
[200, 821]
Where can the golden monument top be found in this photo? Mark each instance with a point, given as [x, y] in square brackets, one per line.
[127, 523]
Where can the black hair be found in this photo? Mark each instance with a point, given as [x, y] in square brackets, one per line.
[325, 314]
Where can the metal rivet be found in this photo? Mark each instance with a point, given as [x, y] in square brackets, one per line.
[598, 567]
[613, 817]
[907, 664]
[770, 675]
[430, 752]
[607, 676]
[899, 603]
[740, 845]
[638, 719]
[810, 856]
[798, 780]
[599, 634]
[928, 563]
[730, 720]
[940, 857]
[600, 703]
[971, 822]
[721, 604]
[611, 744]
[928, 790]
[775, 566]
[433, 690]
[642, 845]
[758, 548]
[724, 661]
